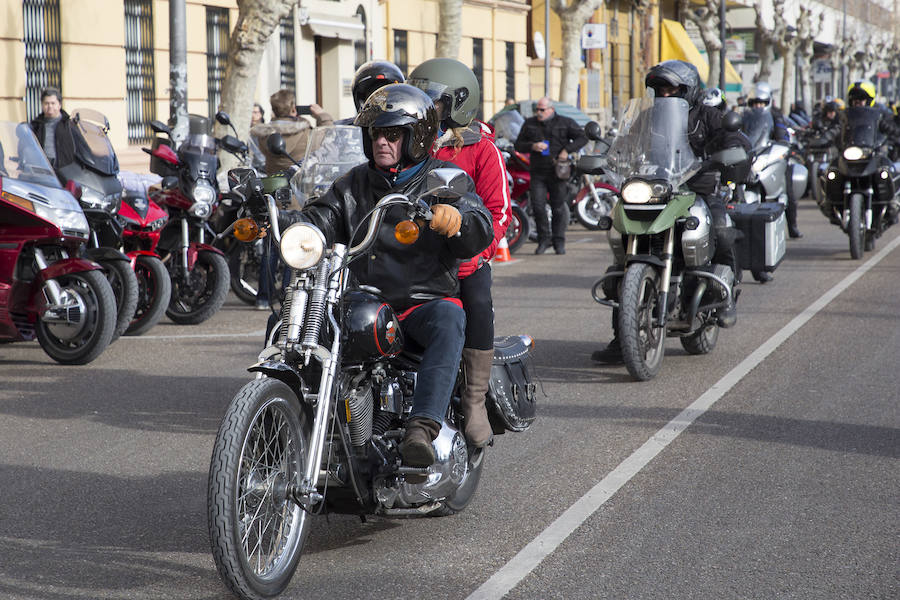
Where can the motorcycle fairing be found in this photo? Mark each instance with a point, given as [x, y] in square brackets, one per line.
[758, 124]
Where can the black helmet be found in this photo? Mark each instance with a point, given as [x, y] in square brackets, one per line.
[830, 107]
[371, 327]
[371, 76]
[401, 105]
[676, 73]
[454, 84]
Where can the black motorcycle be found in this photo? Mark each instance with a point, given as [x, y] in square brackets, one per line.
[861, 185]
[319, 429]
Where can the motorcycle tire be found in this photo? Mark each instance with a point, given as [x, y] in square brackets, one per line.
[588, 211]
[855, 228]
[124, 284]
[702, 341]
[243, 265]
[519, 228]
[643, 345]
[466, 490]
[202, 293]
[256, 533]
[82, 342]
[154, 291]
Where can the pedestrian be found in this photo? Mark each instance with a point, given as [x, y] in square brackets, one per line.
[549, 138]
[54, 129]
[257, 158]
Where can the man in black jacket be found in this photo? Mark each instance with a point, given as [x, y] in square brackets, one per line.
[53, 129]
[419, 280]
[549, 137]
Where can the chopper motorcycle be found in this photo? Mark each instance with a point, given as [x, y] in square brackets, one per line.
[92, 179]
[46, 291]
[318, 430]
[189, 192]
[861, 185]
[667, 284]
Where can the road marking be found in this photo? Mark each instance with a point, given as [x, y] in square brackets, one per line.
[259, 333]
[546, 543]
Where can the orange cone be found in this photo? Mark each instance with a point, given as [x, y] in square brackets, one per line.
[502, 254]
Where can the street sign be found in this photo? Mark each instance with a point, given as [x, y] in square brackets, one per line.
[539, 50]
[734, 49]
[593, 36]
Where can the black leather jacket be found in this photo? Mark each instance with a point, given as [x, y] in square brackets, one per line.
[406, 275]
[65, 143]
[561, 132]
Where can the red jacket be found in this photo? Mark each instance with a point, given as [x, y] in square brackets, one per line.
[481, 159]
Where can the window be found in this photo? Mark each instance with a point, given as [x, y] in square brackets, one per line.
[216, 55]
[43, 65]
[478, 69]
[140, 89]
[511, 70]
[360, 46]
[401, 58]
[288, 72]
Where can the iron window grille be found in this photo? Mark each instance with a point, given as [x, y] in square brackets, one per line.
[140, 87]
[511, 70]
[43, 63]
[360, 46]
[401, 58]
[288, 71]
[216, 55]
[478, 69]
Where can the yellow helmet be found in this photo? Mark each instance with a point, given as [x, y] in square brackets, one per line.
[861, 90]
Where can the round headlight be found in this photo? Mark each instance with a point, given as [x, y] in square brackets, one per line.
[302, 245]
[203, 192]
[637, 192]
[200, 209]
[853, 153]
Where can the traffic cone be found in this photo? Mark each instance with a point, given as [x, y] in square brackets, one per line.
[502, 254]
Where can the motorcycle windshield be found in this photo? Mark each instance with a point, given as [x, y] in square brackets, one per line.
[861, 128]
[22, 158]
[92, 147]
[652, 143]
[758, 124]
[332, 151]
[508, 124]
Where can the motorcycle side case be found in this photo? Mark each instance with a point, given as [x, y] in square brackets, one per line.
[763, 244]
[799, 178]
[511, 390]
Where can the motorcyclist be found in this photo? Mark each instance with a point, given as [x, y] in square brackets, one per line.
[419, 281]
[369, 77]
[457, 95]
[706, 135]
[715, 98]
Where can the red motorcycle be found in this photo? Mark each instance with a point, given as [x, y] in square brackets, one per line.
[46, 292]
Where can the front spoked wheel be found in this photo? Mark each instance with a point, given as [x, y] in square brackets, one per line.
[643, 343]
[256, 531]
[856, 229]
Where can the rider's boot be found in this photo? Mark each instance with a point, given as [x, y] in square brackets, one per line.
[416, 448]
[477, 369]
[611, 355]
[790, 214]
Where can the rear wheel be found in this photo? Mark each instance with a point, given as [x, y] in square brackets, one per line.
[256, 531]
[154, 290]
[466, 491]
[855, 227]
[199, 294]
[89, 323]
[643, 343]
[518, 229]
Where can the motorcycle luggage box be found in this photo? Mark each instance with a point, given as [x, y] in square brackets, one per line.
[763, 225]
[592, 164]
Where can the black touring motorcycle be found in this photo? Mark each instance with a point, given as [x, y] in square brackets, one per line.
[319, 429]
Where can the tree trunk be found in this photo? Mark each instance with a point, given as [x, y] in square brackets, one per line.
[257, 20]
[450, 31]
[573, 14]
[787, 79]
[707, 21]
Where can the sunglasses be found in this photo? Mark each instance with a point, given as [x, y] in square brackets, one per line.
[542, 109]
[391, 134]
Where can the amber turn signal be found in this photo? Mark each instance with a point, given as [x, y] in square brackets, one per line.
[406, 232]
[246, 230]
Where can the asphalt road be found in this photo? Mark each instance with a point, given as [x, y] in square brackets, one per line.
[782, 480]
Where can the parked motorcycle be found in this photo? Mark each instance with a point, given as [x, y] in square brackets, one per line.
[861, 185]
[319, 430]
[189, 192]
[91, 178]
[142, 221]
[668, 284]
[46, 290]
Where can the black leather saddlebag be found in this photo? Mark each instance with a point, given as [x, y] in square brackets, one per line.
[511, 394]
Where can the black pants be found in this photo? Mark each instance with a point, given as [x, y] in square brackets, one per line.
[475, 293]
[544, 185]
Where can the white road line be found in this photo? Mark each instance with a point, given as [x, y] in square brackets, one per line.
[544, 544]
[259, 334]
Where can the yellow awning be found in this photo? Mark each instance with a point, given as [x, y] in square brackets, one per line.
[675, 44]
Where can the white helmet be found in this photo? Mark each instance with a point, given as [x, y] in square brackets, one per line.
[713, 97]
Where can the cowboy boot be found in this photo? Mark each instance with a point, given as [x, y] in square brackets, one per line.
[416, 448]
[477, 370]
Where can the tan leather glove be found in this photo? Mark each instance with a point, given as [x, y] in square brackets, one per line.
[446, 220]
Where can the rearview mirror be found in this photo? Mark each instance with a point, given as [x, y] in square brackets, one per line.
[275, 144]
[592, 130]
[731, 121]
[223, 118]
[160, 127]
[448, 182]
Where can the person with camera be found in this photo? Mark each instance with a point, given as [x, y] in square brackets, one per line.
[419, 281]
[292, 127]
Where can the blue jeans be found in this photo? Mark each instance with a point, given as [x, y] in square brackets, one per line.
[439, 327]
